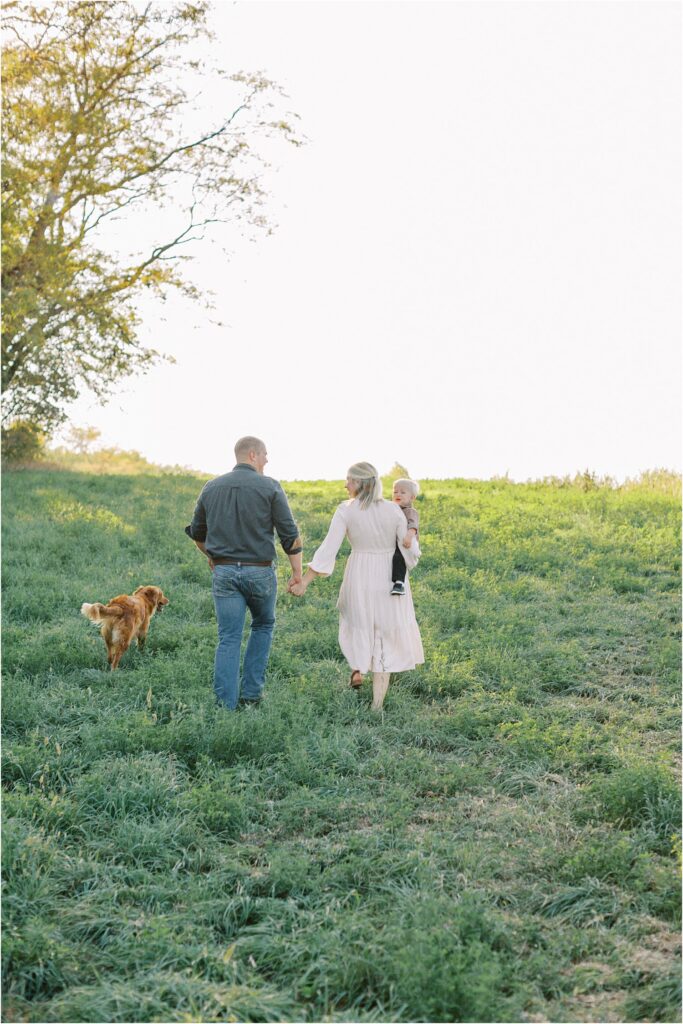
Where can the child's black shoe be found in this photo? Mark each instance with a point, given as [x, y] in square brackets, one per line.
[398, 588]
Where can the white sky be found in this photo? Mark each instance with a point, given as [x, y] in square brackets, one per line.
[477, 263]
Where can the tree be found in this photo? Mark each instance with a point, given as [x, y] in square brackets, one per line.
[82, 439]
[22, 441]
[93, 108]
[398, 471]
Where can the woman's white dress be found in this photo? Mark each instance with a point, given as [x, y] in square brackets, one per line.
[378, 632]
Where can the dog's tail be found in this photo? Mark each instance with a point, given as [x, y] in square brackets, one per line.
[99, 612]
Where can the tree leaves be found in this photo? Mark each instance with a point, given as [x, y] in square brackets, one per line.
[94, 129]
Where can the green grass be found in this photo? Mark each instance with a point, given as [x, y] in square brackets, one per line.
[499, 845]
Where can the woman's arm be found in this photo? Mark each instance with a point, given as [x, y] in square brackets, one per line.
[411, 552]
[325, 556]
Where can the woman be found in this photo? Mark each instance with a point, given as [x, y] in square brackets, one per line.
[378, 633]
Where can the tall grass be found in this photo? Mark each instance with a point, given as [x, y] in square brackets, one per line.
[500, 844]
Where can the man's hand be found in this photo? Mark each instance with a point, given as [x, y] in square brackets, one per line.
[294, 579]
[297, 589]
[202, 547]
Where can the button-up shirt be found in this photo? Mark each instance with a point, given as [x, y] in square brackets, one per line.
[237, 513]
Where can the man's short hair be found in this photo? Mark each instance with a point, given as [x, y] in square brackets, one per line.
[248, 444]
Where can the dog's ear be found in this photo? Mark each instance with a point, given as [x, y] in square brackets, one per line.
[155, 595]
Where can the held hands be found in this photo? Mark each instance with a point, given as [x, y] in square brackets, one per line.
[296, 586]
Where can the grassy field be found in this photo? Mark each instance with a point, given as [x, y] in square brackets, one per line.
[498, 845]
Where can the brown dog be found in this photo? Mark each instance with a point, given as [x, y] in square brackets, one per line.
[124, 619]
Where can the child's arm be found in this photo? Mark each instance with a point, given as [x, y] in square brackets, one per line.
[413, 520]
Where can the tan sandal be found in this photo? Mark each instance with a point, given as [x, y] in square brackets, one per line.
[356, 685]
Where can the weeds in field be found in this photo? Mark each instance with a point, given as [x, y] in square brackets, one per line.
[501, 845]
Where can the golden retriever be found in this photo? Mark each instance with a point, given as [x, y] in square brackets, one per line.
[124, 619]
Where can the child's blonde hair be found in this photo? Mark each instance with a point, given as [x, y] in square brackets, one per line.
[411, 485]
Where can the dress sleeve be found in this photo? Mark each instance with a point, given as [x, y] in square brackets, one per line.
[324, 558]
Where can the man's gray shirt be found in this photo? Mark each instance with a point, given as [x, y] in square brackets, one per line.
[237, 513]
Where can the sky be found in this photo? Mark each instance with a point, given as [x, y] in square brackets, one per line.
[476, 264]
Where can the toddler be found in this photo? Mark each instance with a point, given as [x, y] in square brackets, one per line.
[404, 491]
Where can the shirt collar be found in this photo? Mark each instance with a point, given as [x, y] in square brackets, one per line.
[245, 465]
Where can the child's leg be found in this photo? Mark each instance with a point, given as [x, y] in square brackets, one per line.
[398, 567]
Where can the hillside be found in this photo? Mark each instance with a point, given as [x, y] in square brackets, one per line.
[502, 843]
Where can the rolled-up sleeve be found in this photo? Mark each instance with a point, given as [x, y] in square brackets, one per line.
[197, 529]
[324, 558]
[283, 520]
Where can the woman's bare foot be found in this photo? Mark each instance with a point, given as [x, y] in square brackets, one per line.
[356, 680]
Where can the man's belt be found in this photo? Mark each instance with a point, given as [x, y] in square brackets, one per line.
[236, 561]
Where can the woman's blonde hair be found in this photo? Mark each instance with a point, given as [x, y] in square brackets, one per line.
[369, 484]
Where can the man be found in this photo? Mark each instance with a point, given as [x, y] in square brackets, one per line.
[233, 526]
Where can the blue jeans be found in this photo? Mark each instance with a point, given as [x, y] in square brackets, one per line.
[236, 588]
